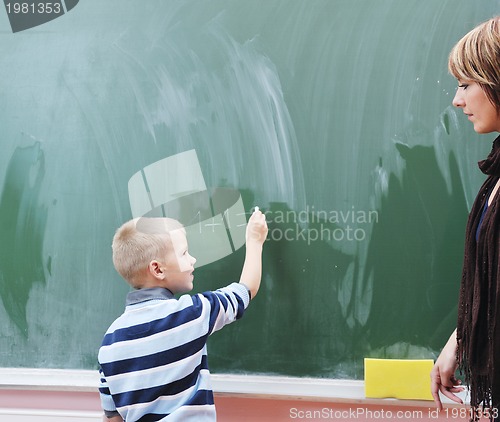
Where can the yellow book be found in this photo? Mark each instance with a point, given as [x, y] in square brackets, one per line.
[398, 378]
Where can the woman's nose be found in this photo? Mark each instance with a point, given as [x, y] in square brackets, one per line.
[458, 100]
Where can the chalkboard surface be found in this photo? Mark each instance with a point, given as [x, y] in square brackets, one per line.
[333, 116]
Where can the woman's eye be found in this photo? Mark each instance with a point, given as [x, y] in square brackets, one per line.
[464, 86]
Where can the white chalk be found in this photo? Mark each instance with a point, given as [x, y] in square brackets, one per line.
[256, 209]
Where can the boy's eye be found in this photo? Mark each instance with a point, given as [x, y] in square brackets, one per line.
[464, 86]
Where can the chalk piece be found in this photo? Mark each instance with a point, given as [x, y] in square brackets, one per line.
[398, 378]
[256, 209]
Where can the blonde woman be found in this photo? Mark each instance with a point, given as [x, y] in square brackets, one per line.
[474, 347]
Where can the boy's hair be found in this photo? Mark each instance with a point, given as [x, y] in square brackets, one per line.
[476, 57]
[139, 241]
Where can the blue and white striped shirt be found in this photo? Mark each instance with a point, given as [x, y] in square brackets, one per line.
[153, 359]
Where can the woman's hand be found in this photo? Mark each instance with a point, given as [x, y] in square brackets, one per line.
[443, 374]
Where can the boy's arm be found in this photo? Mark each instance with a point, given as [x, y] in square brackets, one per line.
[256, 234]
[107, 401]
[113, 419]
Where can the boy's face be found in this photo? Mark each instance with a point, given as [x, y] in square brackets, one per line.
[179, 265]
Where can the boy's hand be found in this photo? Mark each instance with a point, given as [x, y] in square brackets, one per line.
[256, 228]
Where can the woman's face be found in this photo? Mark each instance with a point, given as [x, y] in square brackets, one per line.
[471, 98]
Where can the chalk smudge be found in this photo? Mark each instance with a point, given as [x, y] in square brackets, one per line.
[22, 222]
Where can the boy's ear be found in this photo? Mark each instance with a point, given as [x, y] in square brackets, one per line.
[156, 270]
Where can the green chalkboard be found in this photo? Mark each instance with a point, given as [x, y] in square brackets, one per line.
[334, 116]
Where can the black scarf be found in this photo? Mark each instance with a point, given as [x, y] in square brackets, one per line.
[478, 326]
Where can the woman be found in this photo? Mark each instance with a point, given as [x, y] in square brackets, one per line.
[474, 346]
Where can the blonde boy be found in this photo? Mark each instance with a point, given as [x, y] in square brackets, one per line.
[153, 359]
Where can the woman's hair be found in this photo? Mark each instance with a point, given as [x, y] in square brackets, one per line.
[476, 57]
[137, 242]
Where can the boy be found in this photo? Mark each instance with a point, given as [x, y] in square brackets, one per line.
[153, 359]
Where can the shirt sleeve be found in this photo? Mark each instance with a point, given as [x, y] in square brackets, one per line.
[227, 305]
[107, 403]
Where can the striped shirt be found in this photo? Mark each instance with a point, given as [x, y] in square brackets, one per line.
[153, 358]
